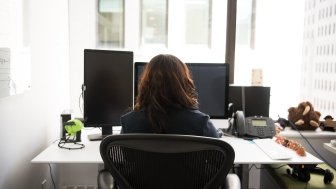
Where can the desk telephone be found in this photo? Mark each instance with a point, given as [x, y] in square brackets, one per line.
[255, 126]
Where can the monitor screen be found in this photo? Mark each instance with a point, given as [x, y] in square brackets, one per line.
[212, 83]
[252, 100]
[108, 91]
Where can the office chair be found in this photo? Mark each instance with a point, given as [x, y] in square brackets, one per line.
[153, 161]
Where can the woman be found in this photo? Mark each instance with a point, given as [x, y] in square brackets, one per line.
[167, 102]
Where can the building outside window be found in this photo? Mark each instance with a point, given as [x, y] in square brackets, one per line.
[299, 43]
[154, 19]
[197, 22]
[194, 30]
[318, 79]
[110, 23]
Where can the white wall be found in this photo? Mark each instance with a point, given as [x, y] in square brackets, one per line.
[29, 122]
[82, 32]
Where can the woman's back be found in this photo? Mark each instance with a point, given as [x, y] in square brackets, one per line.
[184, 121]
[167, 101]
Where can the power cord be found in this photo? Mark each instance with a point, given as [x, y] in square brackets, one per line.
[272, 168]
[54, 141]
[311, 146]
[80, 102]
[254, 165]
[51, 176]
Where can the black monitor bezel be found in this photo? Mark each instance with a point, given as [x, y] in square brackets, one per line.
[106, 127]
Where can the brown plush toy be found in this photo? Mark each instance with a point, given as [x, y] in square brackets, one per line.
[304, 116]
[329, 124]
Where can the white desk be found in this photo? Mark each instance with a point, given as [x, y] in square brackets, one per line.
[54, 154]
[318, 133]
[246, 152]
[249, 153]
[329, 147]
[313, 142]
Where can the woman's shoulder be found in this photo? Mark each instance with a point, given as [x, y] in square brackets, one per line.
[192, 112]
[133, 117]
[132, 113]
[196, 111]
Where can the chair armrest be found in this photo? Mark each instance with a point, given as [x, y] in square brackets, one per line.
[232, 181]
[105, 180]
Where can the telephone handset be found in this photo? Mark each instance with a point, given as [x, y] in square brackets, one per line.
[255, 126]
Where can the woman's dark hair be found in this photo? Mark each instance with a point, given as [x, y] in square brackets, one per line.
[165, 85]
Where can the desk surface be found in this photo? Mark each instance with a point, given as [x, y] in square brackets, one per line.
[318, 133]
[246, 153]
[329, 147]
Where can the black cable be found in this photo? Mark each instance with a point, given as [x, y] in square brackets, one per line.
[253, 165]
[311, 146]
[79, 101]
[233, 168]
[273, 168]
[55, 141]
[51, 176]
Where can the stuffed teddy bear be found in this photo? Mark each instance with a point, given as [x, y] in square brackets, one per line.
[304, 116]
[328, 124]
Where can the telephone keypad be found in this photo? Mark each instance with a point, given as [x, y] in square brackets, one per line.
[261, 131]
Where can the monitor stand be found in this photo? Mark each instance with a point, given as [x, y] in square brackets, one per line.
[100, 136]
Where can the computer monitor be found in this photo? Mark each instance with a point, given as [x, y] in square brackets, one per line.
[252, 100]
[108, 88]
[212, 85]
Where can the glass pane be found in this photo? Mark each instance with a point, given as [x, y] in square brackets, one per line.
[15, 64]
[245, 23]
[111, 23]
[197, 22]
[154, 22]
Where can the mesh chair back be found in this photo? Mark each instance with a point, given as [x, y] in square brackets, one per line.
[160, 161]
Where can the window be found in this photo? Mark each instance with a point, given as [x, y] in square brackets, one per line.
[197, 19]
[111, 23]
[154, 22]
[194, 30]
[262, 38]
[245, 23]
[15, 61]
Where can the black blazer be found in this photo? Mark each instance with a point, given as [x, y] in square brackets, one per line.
[185, 122]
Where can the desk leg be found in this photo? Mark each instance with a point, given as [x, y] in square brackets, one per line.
[243, 172]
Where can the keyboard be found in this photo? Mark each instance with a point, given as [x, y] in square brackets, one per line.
[272, 149]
